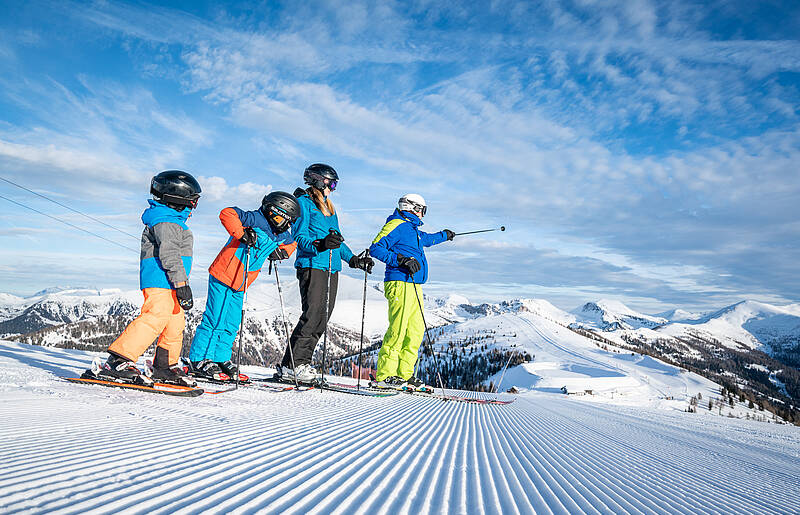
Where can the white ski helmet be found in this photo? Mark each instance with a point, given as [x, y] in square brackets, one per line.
[412, 202]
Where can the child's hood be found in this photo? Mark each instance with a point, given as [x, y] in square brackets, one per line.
[158, 213]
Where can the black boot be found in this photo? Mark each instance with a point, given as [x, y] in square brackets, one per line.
[207, 369]
[230, 368]
[122, 370]
[163, 372]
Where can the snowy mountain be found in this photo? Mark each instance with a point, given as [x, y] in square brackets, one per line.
[609, 315]
[680, 315]
[70, 448]
[63, 306]
[746, 325]
[456, 308]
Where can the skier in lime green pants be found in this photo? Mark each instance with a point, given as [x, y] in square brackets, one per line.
[400, 245]
[398, 354]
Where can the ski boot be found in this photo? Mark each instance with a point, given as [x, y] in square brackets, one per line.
[390, 383]
[164, 372]
[415, 384]
[173, 375]
[120, 370]
[207, 369]
[230, 369]
[305, 374]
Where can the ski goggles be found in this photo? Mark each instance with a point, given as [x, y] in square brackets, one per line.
[190, 202]
[419, 208]
[279, 217]
[331, 184]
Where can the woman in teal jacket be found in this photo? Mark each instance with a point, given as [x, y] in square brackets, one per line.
[320, 252]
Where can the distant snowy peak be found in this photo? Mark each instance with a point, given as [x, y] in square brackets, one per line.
[746, 310]
[452, 300]
[7, 298]
[62, 306]
[539, 307]
[456, 308]
[681, 315]
[610, 315]
[748, 324]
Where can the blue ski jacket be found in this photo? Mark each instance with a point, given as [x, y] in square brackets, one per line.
[313, 225]
[166, 256]
[401, 236]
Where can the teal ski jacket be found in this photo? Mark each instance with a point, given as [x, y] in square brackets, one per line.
[313, 225]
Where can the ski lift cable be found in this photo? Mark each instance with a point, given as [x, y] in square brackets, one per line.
[69, 224]
[67, 207]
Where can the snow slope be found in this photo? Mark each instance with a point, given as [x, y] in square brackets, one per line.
[80, 449]
[563, 358]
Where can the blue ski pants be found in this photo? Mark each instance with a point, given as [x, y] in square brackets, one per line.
[216, 333]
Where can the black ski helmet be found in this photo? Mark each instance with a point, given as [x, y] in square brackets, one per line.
[176, 189]
[321, 176]
[280, 209]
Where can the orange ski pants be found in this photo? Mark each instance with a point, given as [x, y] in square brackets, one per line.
[161, 317]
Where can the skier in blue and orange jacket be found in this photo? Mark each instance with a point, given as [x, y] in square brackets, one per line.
[400, 244]
[265, 232]
[319, 245]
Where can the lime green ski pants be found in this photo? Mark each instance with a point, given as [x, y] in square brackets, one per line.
[401, 342]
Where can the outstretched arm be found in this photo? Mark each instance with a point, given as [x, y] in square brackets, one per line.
[433, 238]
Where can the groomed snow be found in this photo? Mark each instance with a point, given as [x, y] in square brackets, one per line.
[78, 449]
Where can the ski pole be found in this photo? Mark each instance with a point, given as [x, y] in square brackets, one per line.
[430, 345]
[241, 324]
[502, 228]
[363, 316]
[285, 327]
[327, 304]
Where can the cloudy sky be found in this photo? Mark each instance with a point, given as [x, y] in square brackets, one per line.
[640, 151]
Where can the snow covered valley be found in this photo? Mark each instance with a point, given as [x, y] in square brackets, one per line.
[83, 449]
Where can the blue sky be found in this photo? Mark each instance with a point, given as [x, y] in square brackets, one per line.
[635, 150]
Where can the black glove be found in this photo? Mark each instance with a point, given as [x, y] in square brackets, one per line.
[450, 234]
[249, 238]
[278, 254]
[362, 262]
[409, 263]
[332, 241]
[184, 294]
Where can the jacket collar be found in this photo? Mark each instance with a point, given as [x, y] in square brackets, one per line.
[407, 216]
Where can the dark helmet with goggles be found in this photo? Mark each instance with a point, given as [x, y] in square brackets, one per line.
[321, 176]
[280, 209]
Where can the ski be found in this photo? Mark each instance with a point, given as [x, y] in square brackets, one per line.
[330, 387]
[354, 391]
[211, 380]
[274, 384]
[257, 385]
[430, 394]
[371, 388]
[161, 388]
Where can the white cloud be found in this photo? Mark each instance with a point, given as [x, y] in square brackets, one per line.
[216, 189]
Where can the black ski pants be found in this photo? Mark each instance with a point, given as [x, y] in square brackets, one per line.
[313, 321]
